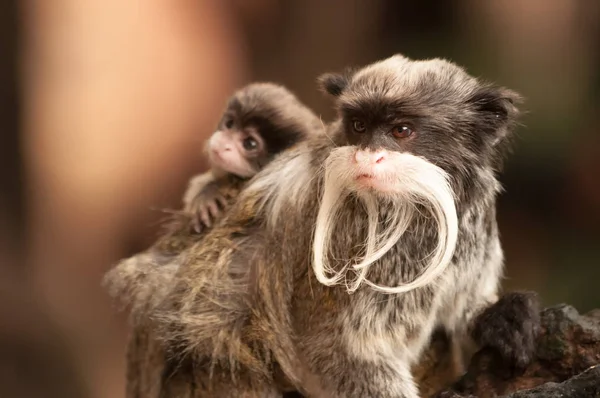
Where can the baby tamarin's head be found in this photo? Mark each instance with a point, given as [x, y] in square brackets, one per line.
[260, 121]
[411, 137]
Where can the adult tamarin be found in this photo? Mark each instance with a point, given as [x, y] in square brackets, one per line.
[341, 257]
[260, 121]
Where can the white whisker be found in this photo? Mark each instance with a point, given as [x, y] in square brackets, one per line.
[325, 132]
[420, 183]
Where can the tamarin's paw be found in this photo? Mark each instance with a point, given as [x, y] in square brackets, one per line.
[207, 208]
[510, 326]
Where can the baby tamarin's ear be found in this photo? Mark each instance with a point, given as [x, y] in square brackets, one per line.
[335, 83]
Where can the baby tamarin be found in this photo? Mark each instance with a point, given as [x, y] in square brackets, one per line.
[260, 121]
[342, 256]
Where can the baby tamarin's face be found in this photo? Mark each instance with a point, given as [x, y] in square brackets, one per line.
[235, 147]
[261, 120]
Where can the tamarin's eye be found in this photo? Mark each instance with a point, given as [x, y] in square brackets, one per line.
[401, 132]
[229, 123]
[250, 144]
[358, 126]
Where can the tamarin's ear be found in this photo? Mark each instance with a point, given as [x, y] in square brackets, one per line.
[334, 83]
[497, 102]
[497, 108]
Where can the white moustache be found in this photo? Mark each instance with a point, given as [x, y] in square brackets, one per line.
[401, 179]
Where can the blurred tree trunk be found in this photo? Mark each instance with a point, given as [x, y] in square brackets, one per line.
[33, 361]
[119, 97]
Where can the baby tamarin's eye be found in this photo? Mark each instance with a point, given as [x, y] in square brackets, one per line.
[358, 126]
[229, 123]
[250, 144]
[402, 132]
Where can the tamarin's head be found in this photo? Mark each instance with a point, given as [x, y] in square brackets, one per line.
[413, 137]
[431, 109]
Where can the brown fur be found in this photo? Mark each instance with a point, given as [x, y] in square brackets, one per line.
[141, 282]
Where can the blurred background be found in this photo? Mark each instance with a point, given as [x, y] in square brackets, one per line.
[105, 105]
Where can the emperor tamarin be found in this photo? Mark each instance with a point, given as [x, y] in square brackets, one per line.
[341, 256]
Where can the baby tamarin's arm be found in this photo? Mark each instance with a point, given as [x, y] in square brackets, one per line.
[207, 198]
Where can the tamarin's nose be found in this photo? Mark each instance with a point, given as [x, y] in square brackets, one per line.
[368, 158]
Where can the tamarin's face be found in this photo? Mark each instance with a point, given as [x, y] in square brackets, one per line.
[429, 109]
[236, 147]
[260, 121]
